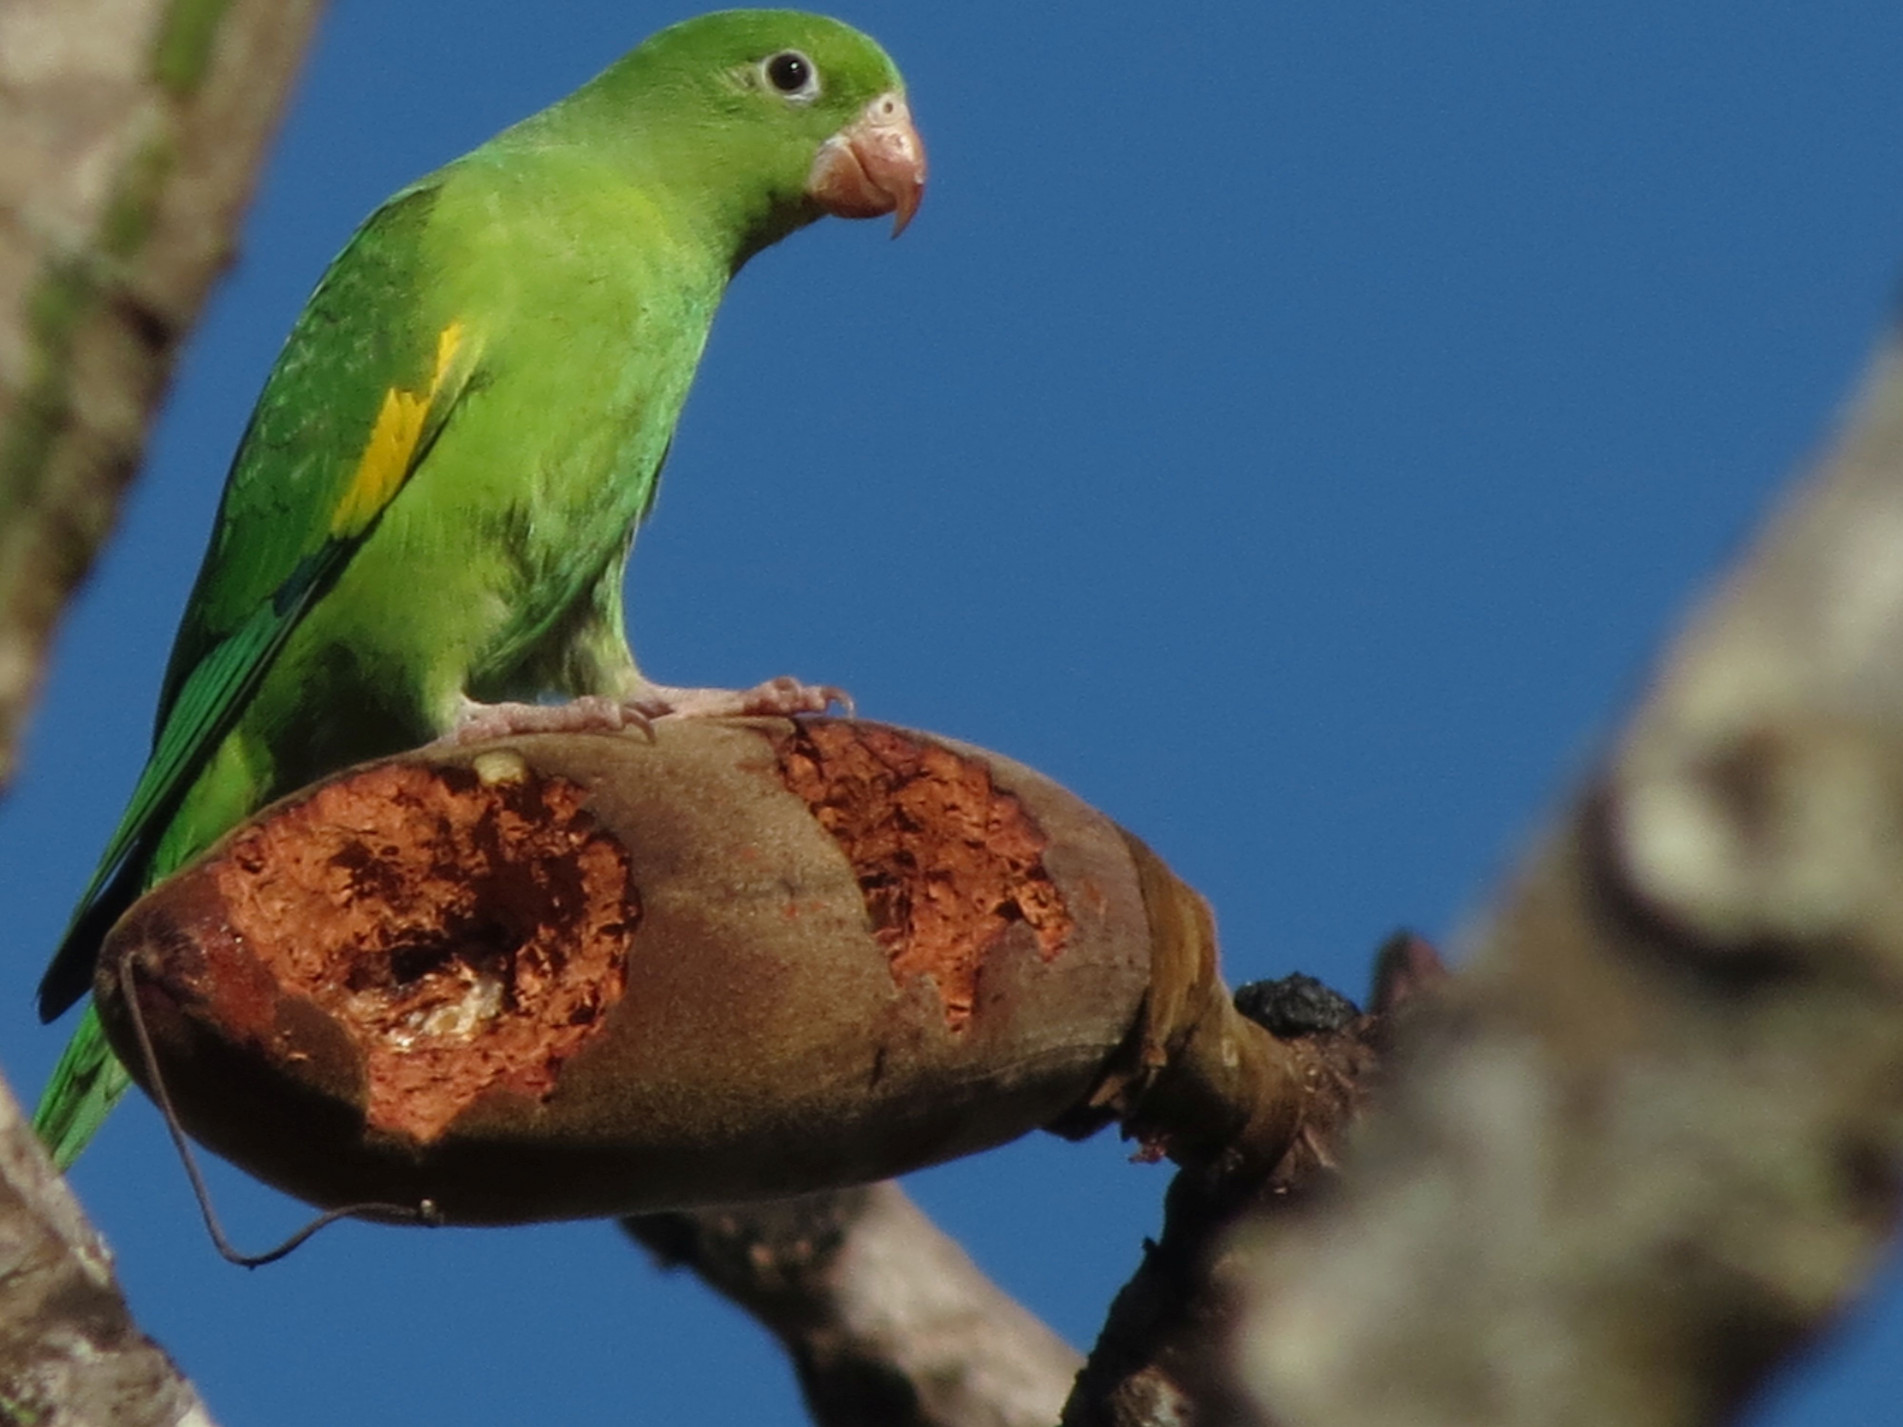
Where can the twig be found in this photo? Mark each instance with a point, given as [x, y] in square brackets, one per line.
[1160, 1360]
[887, 1321]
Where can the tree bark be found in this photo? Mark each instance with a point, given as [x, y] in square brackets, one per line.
[70, 1354]
[887, 1321]
[131, 136]
[1650, 1146]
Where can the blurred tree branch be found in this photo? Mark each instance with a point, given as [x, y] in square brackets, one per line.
[131, 135]
[887, 1321]
[70, 1353]
[1650, 1146]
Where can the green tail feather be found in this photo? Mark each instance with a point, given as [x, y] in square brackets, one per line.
[85, 1085]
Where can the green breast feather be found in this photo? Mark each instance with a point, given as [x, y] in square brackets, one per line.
[431, 505]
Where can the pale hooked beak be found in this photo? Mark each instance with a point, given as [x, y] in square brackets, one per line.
[875, 165]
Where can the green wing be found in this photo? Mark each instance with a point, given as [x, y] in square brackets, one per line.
[361, 391]
[80, 1093]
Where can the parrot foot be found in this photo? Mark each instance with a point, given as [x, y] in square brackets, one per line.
[776, 698]
[478, 723]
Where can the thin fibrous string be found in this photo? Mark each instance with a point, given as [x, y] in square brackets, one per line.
[425, 1213]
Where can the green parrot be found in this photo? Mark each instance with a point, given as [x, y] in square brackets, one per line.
[425, 525]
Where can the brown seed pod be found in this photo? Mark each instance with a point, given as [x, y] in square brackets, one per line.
[566, 976]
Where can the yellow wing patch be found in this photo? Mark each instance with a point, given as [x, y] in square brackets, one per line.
[389, 455]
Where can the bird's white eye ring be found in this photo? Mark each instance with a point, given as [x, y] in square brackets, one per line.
[791, 74]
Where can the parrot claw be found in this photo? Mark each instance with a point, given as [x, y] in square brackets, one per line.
[591, 713]
[776, 698]
[478, 723]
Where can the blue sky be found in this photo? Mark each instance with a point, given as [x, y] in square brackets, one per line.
[1292, 427]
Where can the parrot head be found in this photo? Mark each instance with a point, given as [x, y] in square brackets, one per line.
[782, 115]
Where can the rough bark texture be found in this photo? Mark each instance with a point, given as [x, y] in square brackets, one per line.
[70, 1354]
[887, 1321]
[131, 133]
[1652, 1145]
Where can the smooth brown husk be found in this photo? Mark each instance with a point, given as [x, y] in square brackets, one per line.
[813, 954]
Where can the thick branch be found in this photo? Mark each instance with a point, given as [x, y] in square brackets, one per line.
[70, 1354]
[131, 133]
[887, 1321]
[1653, 1146]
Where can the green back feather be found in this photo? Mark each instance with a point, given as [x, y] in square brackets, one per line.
[273, 551]
[515, 335]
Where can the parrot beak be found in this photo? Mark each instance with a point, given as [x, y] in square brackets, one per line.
[875, 165]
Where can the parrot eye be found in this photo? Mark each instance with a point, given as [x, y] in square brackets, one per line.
[791, 73]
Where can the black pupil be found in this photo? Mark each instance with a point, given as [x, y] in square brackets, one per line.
[788, 72]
